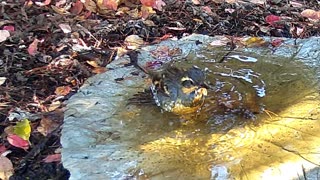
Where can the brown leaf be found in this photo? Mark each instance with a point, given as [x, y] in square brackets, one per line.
[59, 10]
[133, 42]
[312, 14]
[90, 5]
[99, 70]
[52, 158]
[6, 168]
[47, 125]
[63, 90]
[17, 141]
[77, 7]
[93, 63]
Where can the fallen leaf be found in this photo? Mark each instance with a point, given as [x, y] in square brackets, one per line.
[295, 4]
[23, 129]
[47, 125]
[2, 80]
[166, 36]
[229, 10]
[4, 34]
[276, 42]
[45, 3]
[54, 105]
[8, 28]
[111, 4]
[90, 5]
[134, 13]
[65, 28]
[99, 70]
[133, 42]
[61, 3]
[149, 23]
[2, 149]
[254, 42]
[158, 5]
[146, 11]
[59, 10]
[221, 41]
[177, 28]
[17, 141]
[63, 90]
[77, 7]
[311, 14]
[93, 63]
[33, 47]
[272, 19]
[196, 2]
[6, 168]
[52, 158]
[147, 2]
[207, 10]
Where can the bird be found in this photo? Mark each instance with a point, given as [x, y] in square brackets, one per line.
[177, 90]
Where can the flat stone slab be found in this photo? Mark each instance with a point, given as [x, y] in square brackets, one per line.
[96, 144]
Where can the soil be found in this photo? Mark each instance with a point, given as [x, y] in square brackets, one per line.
[44, 64]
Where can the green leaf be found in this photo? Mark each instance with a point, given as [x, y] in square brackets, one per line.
[23, 129]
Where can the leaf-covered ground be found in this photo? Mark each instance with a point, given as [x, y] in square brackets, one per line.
[49, 48]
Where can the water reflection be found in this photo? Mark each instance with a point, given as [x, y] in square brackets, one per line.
[222, 141]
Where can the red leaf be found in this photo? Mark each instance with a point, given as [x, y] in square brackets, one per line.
[8, 28]
[2, 149]
[17, 141]
[111, 4]
[272, 19]
[52, 158]
[33, 47]
[77, 7]
[276, 42]
[149, 3]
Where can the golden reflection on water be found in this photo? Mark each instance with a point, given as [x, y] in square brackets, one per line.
[278, 148]
[273, 146]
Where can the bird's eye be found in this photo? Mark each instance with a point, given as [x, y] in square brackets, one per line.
[187, 83]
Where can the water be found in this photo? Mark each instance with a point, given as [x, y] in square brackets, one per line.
[260, 121]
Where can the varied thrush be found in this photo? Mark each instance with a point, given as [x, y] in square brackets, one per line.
[178, 90]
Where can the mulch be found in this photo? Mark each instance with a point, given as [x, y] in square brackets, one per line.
[39, 83]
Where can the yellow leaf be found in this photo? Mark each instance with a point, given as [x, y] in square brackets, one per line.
[23, 129]
[254, 42]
